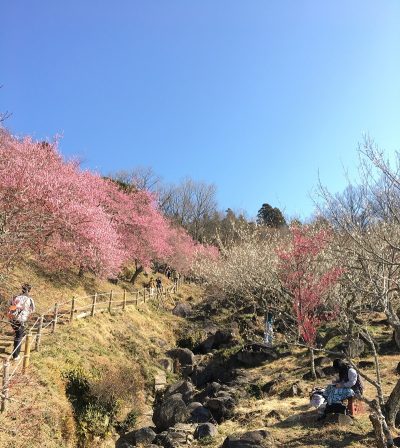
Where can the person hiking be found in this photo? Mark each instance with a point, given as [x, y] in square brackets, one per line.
[159, 285]
[175, 277]
[269, 329]
[19, 311]
[152, 285]
[168, 272]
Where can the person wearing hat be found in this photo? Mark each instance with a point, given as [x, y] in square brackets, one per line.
[21, 307]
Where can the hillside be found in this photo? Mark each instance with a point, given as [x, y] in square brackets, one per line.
[92, 383]
[111, 351]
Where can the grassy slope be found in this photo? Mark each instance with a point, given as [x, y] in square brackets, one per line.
[39, 414]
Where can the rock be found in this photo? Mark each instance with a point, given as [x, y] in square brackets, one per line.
[295, 390]
[200, 415]
[210, 390]
[253, 355]
[205, 430]
[356, 348]
[166, 364]
[251, 439]
[183, 355]
[202, 375]
[183, 387]
[329, 371]
[221, 408]
[323, 361]
[160, 342]
[143, 436]
[182, 309]
[160, 381]
[318, 371]
[123, 444]
[268, 388]
[216, 341]
[192, 406]
[398, 368]
[170, 411]
[177, 436]
[274, 414]
[366, 364]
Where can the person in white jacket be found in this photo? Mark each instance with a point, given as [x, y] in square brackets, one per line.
[23, 305]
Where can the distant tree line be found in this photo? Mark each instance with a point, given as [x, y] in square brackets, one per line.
[193, 205]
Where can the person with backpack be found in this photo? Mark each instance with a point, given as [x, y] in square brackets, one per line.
[347, 377]
[19, 311]
[347, 386]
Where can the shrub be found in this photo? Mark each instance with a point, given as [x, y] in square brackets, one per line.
[98, 399]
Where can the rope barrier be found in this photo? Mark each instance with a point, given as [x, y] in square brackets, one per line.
[57, 317]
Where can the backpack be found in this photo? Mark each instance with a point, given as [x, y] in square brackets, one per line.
[13, 312]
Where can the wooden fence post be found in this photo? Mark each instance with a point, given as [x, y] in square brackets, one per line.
[4, 389]
[27, 352]
[110, 300]
[39, 334]
[137, 299]
[93, 310]
[55, 318]
[124, 301]
[144, 295]
[71, 317]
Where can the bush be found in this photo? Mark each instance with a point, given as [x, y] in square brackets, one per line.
[98, 399]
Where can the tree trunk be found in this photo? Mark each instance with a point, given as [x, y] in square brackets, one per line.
[392, 405]
[383, 436]
[138, 270]
[378, 430]
[396, 335]
[312, 362]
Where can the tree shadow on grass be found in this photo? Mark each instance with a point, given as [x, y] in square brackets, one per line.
[330, 440]
[326, 434]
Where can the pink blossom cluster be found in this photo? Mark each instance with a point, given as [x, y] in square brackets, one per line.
[67, 218]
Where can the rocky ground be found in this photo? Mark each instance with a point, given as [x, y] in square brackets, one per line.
[236, 394]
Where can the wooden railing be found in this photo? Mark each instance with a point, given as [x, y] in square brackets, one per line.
[65, 313]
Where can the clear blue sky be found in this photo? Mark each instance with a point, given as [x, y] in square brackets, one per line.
[254, 96]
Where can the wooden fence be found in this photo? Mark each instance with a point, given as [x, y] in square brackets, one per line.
[65, 313]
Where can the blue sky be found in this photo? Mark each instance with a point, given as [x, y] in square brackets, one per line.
[254, 96]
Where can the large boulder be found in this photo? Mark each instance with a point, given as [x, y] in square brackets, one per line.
[221, 408]
[170, 411]
[180, 435]
[209, 391]
[255, 354]
[144, 436]
[205, 430]
[221, 338]
[252, 439]
[199, 414]
[182, 309]
[183, 355]
[319, 372]
[295, 390]
[183, 387]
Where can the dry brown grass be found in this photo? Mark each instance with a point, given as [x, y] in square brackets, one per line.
[296, 426]
[40, 414]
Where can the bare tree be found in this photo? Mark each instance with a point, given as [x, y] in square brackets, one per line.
[190, 204]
